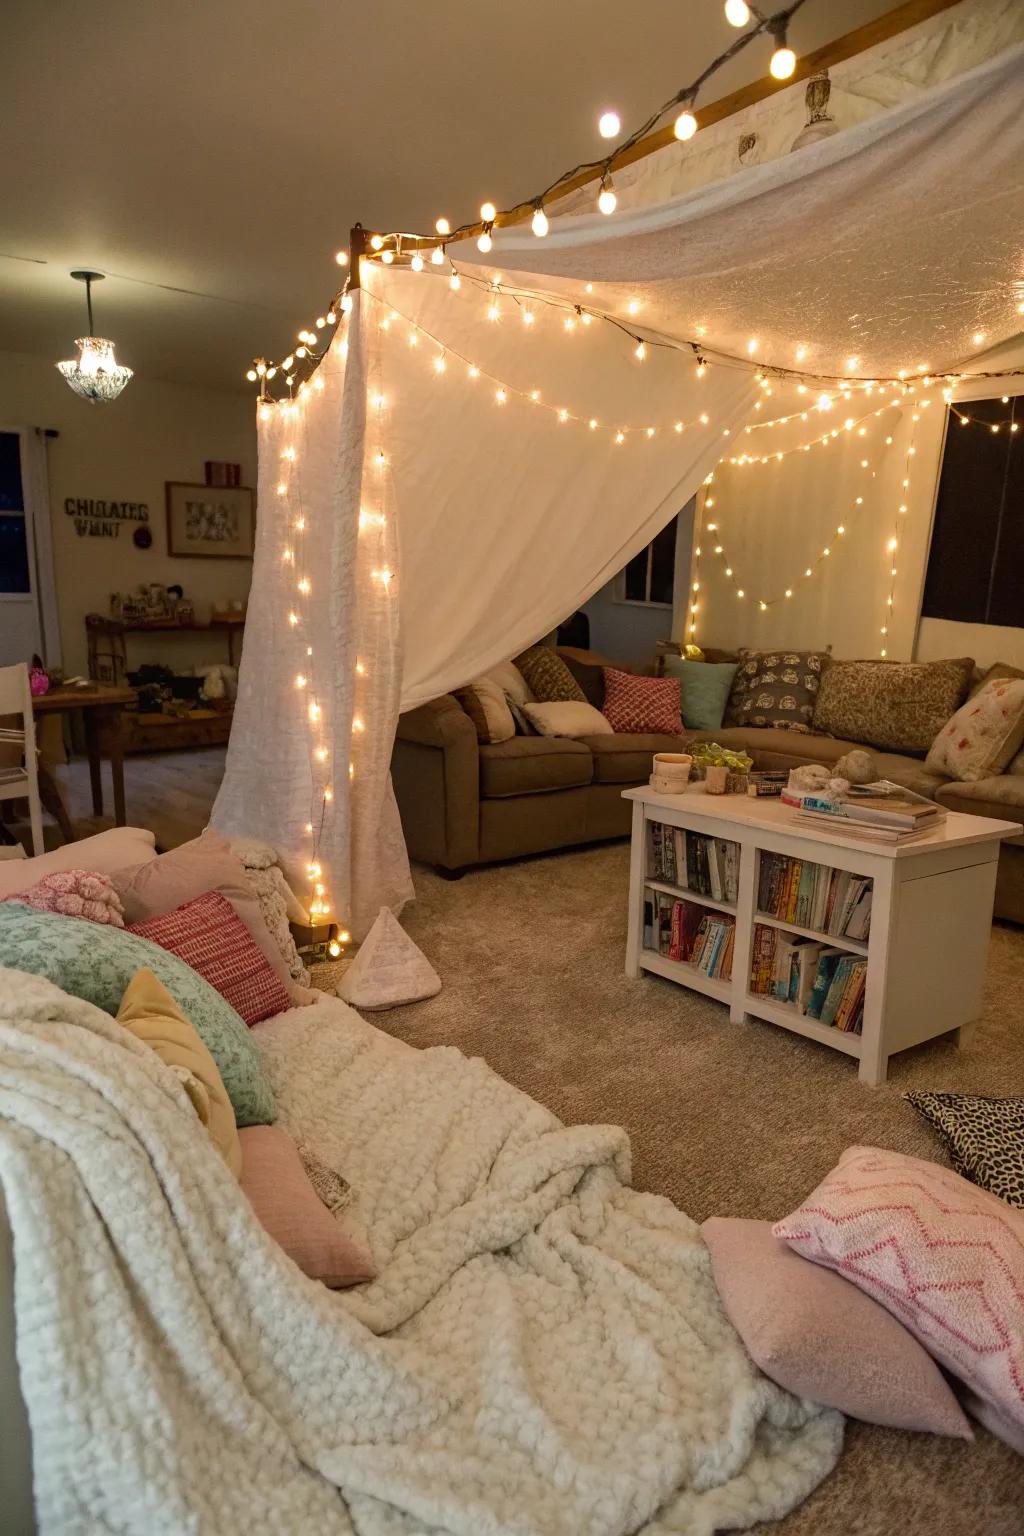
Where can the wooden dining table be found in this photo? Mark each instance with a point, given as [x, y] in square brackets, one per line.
[102, 706]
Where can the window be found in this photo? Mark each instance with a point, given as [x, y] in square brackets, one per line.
[976, 560]
[14, 563]
[649, 576]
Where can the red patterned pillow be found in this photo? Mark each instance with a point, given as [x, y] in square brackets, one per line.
[642, 704]
[208, 935]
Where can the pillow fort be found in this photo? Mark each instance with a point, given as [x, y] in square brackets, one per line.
[103, 519]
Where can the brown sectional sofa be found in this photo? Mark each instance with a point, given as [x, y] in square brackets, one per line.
[464, 804]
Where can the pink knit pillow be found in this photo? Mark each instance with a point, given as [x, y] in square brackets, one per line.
[74, 893]
[645, 705]
[209, 936]
[943, 1256]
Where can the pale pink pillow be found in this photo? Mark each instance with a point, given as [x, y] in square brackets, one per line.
[74, 893]
[642, 705]
[820, 1337]
[292, 1213]
[943, 1256]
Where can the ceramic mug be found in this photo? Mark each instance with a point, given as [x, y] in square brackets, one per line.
[671, 772]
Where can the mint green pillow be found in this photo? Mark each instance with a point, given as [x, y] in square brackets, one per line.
[705, 687]
[96, 962]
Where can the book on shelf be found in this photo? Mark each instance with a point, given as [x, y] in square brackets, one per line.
[684, 931]
[821, 982]
[812, 895]
[693, 861]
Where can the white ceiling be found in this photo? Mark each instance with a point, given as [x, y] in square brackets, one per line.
[211, 155]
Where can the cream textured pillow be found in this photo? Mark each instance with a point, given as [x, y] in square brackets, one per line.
[567, 717]
[485, 704]
[149, 1011]
[511, 681]
[983, 735]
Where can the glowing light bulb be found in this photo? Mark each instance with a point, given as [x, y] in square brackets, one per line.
[455, 282]
[500, 396]
[484, 242]
[609, 124]
[528, 317]
[606, 198]
[852, 362]
[539, 222]
[752, 345]
[979, 337]
[737, 12]
[439, 364]
[685, 125]
[488, 213]
[442, 226]
[437, 256]
[387, 258]
[620, 437]
[740, 592]
[346, 303]
[341, 257]
[789, 592]
[783, 61]
[293, 619]
[640, 352]
[417, 263]
[493, 312]
[376, 242]
[252, 375]
[593, 423]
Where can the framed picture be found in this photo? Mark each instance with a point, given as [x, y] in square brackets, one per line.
[212, 521]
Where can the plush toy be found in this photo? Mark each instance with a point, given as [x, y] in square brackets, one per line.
[858, 767]
[809, 779]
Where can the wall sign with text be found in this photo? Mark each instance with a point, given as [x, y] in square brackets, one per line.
[103, 519]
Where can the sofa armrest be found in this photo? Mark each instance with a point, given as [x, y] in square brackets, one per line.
[441, 723]
[435, 768]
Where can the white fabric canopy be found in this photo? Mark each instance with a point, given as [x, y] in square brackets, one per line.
[444, 519]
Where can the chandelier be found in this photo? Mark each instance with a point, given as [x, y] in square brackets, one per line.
[96, 375]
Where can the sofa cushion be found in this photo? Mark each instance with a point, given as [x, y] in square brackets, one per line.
[705, 688]
[777, 688]
[528, 765]
[486, 705]
[984, 734]
[547, 676]
[897, 705]
[1001, 797]
[590, 677]
[641, 705]
[627, 759]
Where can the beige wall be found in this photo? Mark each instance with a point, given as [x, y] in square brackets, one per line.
[125, 452]
[774, 519]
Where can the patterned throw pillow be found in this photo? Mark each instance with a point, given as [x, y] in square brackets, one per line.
[96, 962]
[636, 705]
[983, 735]
[900, 706]
[945, 1258]
[208, 936]
[984, 1138]
[547, 676]
[776, 688]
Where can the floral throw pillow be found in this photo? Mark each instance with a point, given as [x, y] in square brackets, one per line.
[776, 688]
[983, 735]
[642, 705]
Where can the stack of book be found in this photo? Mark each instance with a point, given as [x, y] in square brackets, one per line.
[878, 818]
[708, 866]
[681, 930]
[814, 896]
[820, 982]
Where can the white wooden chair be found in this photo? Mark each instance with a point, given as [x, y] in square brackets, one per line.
[20, 780]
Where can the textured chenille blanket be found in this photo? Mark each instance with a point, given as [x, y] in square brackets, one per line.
[543, 1353]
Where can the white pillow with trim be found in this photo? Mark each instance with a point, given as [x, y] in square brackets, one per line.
[567, 717]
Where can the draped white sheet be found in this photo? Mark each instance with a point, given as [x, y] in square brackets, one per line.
[498, 517]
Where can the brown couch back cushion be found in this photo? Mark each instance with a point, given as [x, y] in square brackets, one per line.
[899, 705]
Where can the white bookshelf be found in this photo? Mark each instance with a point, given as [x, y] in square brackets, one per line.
[930, 919]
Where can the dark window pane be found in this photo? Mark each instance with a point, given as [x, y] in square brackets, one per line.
[663, 564]
[975, 564]
[636, 578]
[13, 554]
[11, 494]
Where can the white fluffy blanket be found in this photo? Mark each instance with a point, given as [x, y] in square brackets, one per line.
[543, 1353]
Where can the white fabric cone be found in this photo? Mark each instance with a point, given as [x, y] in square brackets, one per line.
[389, 970]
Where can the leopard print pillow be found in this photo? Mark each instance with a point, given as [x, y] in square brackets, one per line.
[776, 688]
[984, 1138]
[900, 706]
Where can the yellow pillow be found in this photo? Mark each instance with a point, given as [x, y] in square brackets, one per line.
[152, 1015]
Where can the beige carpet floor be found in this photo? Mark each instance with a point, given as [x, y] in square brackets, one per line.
[725, 1119]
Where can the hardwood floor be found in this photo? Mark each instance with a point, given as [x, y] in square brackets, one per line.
[171, 793]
